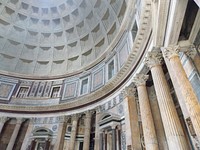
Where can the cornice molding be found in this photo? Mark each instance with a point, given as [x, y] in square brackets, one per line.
[135, 56]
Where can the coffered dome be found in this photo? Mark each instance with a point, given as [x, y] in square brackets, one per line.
[49, 38]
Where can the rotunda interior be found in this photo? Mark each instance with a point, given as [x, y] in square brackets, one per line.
[99, 75]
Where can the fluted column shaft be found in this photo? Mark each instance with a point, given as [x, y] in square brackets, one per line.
[162, 141]
[173, 130]
[73, 132]
[150, 138]
[185, 87]
[14, 134]
[131, 119]
[86, 143]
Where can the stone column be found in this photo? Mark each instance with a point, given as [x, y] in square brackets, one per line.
[2, 122]
[97, 131]
[150, 138]
[191, 100]
[173, 130]
[114, 139]
[14, 134]
[73, 132]
[86, 143]
[162, 141]
[28, 133]
[131, 119]
[61, 133]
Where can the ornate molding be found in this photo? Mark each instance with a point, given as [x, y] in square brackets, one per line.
[171, 51]
[153, 58]
[191, 51]
[140, 79]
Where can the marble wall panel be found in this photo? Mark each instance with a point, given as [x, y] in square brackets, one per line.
[123, 54]
[47, 89]
[41, 89]
[6, 90]
[98, 79]
[70, 90]
[34, 89]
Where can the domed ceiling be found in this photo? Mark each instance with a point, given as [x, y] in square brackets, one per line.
[56, 37]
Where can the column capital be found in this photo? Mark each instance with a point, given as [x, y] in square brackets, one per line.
[75, 117]
[171, 51]
[153, 58]
[140, 79]
[98, 109]
[3, 119]
[89, 113]
[191, 51]
[129, 91]
[63, 119]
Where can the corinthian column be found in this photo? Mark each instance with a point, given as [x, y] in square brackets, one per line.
[172, 126]
[146, 116]
[190, 98]
[14, 134]
[27, 135]
[86, 143]
[61, 133]
[131, 119]
[73, 132]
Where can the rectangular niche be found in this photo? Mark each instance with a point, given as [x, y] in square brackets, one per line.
[23, 92]
[6, 90]
[55, 92]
